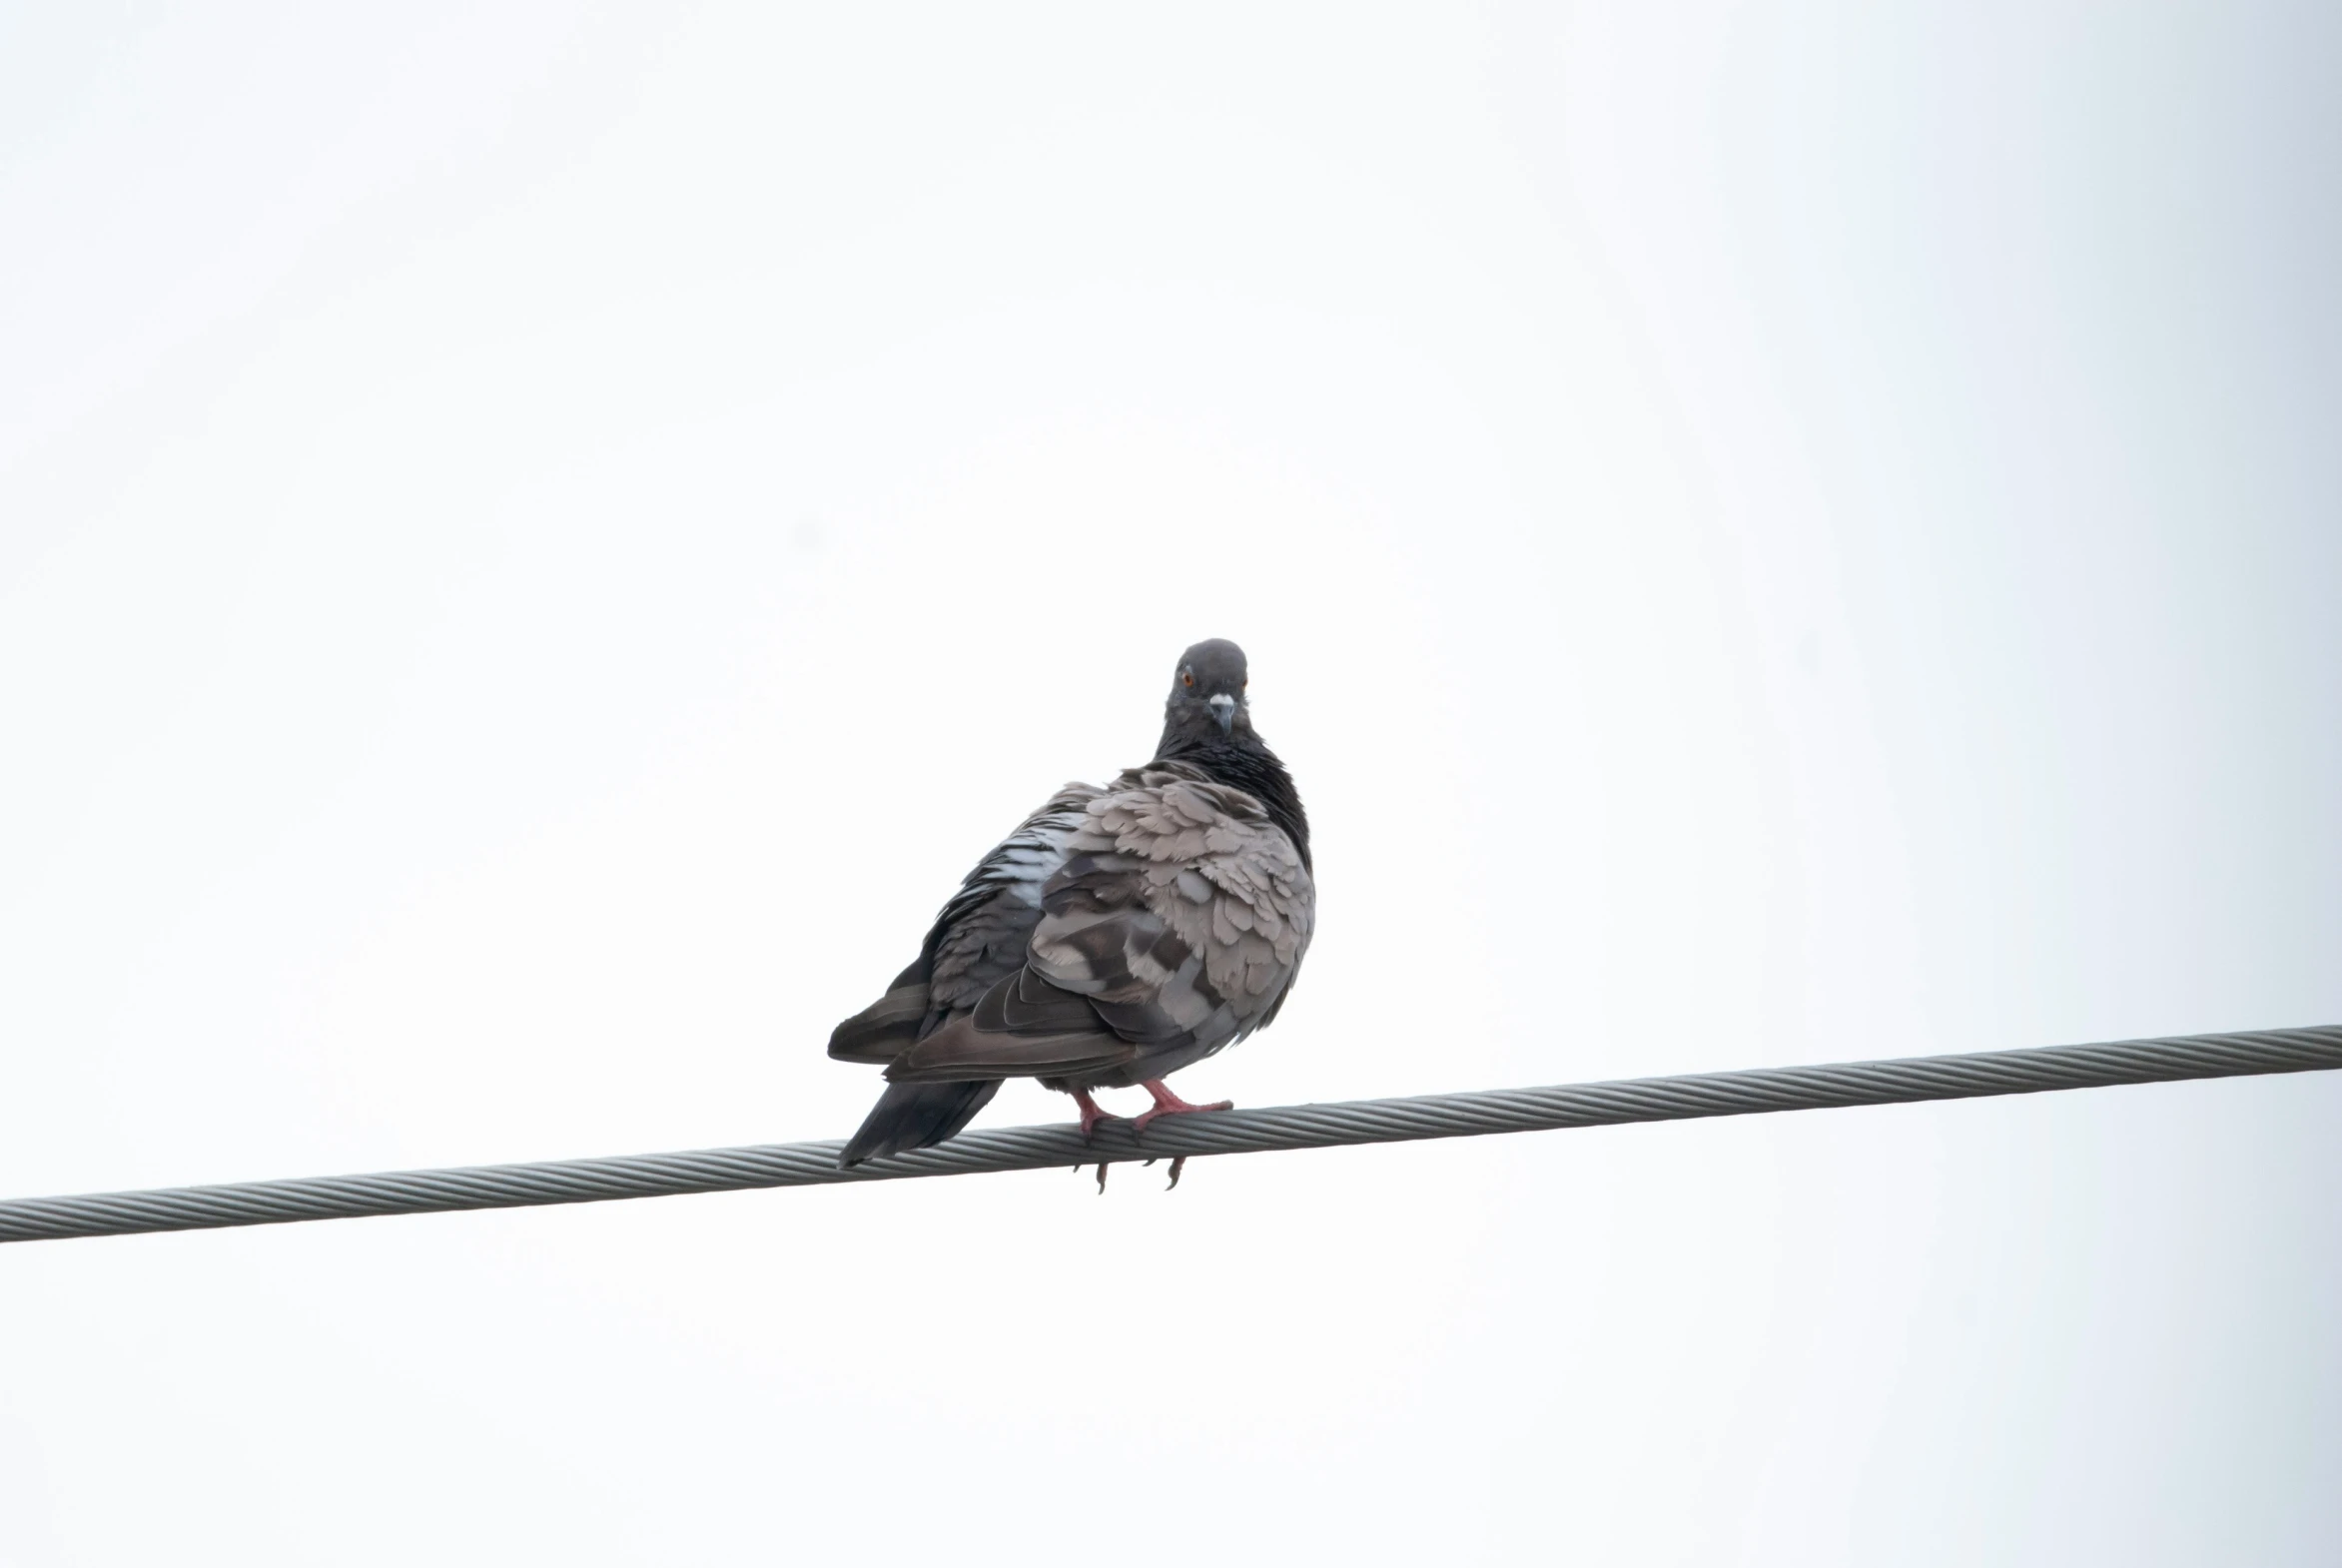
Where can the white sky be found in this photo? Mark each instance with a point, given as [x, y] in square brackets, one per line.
[537, 545]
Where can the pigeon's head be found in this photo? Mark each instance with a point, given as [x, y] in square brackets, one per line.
[1207, 690]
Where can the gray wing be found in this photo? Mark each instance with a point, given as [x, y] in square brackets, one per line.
[979, 937]
[1173, 928]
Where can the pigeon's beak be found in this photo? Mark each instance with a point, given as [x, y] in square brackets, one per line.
[1224, 708]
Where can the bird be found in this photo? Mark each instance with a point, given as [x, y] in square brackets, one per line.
[1120, 933]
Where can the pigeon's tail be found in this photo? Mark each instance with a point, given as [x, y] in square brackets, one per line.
[914, 1115]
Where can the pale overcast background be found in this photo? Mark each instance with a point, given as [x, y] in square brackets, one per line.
[536, 544]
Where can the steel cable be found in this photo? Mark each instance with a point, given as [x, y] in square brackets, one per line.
[1894, 1081]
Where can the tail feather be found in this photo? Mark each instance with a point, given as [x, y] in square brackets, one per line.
[915, 1116]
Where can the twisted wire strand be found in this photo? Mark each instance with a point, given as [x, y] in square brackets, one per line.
[1838, 1085]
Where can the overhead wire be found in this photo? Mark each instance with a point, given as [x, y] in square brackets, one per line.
[1897, 1081]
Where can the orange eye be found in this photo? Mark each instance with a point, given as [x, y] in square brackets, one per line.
[1186, 677]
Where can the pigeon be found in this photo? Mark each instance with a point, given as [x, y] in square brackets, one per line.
[1121, 934]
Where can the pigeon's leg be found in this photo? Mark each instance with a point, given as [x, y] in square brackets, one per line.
[1092, 1112]
[1168, 1104]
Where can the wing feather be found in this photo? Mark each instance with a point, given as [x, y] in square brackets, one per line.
[1170, 921]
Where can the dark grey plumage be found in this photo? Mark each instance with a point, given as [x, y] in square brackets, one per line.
[1119, 935]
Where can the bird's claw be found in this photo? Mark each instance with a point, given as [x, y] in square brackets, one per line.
[1168, 1104]
[1091, 1113]
[1178, 1164]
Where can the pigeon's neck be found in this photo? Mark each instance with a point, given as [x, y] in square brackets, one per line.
[1243, 761]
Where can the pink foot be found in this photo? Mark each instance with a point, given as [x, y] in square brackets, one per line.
[1092, 1114]
[1168, 1104]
